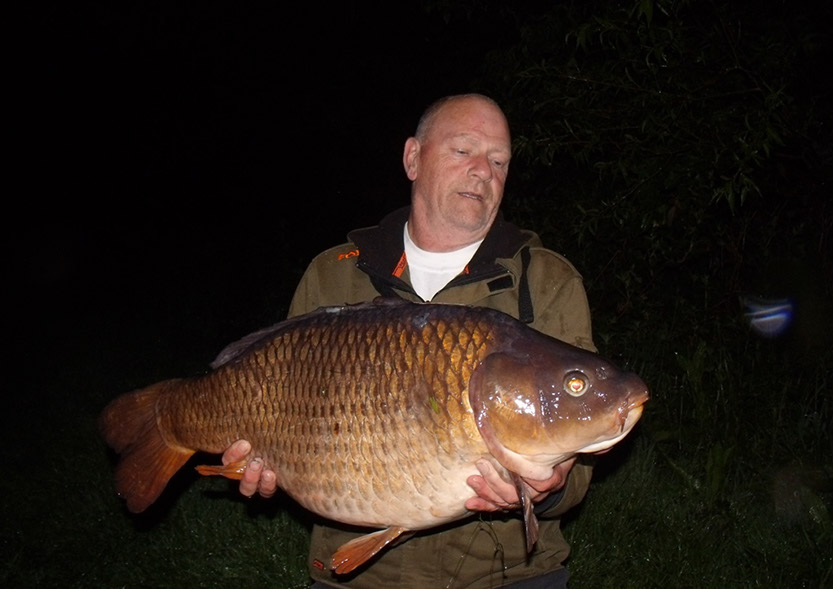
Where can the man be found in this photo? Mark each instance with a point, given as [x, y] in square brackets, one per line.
[452, 246]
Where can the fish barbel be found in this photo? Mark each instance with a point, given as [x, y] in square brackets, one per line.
[375, 414]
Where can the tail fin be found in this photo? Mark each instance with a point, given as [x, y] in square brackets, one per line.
[147, 461]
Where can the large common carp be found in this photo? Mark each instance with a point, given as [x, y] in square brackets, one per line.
[375, 414]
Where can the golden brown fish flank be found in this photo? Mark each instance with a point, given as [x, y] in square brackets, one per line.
[376, 414]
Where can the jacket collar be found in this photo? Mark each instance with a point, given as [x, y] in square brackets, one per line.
[380, 247]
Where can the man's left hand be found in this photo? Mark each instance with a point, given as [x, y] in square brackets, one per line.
[494, 493]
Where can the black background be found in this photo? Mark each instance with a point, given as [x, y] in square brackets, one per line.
[191, 158]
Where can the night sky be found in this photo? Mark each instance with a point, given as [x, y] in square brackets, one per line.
[195, 159]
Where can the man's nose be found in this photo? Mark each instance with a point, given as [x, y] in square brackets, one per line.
[481, 169]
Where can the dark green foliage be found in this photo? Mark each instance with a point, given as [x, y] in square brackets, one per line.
[669, 143]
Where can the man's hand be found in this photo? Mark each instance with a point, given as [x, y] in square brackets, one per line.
[494, 493]
[255, 479]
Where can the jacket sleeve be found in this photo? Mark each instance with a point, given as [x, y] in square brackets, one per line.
[307, 295]
[332, 279]
[559, 300]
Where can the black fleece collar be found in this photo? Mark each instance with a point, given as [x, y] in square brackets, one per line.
[381, 247]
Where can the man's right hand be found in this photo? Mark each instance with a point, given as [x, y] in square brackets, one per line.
[255, 478]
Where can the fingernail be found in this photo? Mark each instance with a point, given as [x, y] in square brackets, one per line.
[255, 464]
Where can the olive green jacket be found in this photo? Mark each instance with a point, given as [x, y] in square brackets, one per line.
[511, 272]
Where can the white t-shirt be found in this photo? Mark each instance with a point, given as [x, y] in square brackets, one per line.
[431, 271]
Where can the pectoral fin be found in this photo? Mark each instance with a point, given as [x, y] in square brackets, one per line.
[359, 550]
[530, 521]
[233, 470]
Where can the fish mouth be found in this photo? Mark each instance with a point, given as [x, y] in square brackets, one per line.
[626, 417]
[631, 411]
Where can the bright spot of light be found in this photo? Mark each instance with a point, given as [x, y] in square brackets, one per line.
[524, 405]
[768, 317]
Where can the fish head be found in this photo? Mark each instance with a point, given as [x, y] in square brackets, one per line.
[541, 406]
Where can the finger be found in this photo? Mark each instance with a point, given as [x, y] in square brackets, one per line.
[478, 504]
[500, 491]
[251, 477]
[268, 484]
[493, 493]
[237, 451]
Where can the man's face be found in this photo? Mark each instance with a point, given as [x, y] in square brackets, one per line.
[459, 169]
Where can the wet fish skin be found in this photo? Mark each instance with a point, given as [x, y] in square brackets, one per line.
[375, 414]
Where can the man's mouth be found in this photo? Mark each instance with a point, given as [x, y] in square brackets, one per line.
[471, 195]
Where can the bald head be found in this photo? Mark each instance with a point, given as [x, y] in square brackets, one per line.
[430, 114]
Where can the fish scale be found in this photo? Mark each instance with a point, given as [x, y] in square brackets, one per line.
[376, 414]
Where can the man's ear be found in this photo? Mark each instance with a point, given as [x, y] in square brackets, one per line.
[410, 157]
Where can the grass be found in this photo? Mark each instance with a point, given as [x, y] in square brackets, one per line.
[642, 526]
[726, 482]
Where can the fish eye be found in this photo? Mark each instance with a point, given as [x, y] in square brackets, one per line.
[575, 383]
